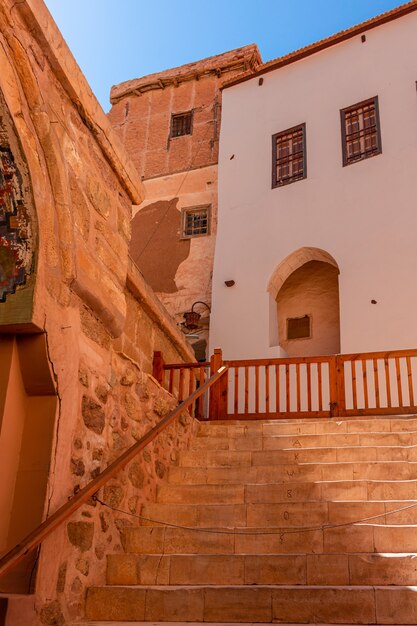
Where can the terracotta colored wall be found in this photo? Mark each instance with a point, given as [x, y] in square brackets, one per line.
[143, 123]
[100, 320]
[178, 173]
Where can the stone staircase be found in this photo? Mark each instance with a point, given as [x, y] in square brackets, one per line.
[276, 521]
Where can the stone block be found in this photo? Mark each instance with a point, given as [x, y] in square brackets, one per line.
[207, 570]
[201, 494]
[81, 534]
[275, 570]
[383, 569]
[237, 604]
[290, 492]
[287, 515]
[349, 539]
[182, 541]
[280, 542]
[121, 569]
[175, 605]
[396, 605]
[343, 605]
[115, 603]
[327, 569]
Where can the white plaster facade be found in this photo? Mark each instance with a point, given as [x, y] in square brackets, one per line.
[363, 215]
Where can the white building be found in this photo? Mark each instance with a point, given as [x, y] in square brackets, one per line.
[323, 251]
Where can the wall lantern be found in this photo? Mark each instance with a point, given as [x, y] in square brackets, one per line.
[192, 318]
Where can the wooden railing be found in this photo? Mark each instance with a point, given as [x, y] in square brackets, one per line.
[183, 379]
[29, 543]
[374, 383]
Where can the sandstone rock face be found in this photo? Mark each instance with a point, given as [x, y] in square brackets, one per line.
[101, 321]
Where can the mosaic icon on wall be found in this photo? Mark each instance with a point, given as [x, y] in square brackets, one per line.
[15, 249]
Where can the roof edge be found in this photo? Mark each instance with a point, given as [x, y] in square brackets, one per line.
[323, 44]
[247, 59]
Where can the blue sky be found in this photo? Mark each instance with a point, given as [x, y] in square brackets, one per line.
[116, 41]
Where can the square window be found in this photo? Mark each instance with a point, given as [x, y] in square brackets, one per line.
[289, 156]
[195, 222]
[361, 135]
[181, 124]
[299, 327]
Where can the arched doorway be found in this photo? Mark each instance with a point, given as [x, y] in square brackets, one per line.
[305, 308]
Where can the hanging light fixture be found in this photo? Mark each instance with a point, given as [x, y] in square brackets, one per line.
[192, 318]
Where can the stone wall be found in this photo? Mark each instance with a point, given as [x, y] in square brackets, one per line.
[179, 173]
[100, 319]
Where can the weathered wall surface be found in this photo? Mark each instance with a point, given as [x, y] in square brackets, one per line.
[178, 173]
[101, 321]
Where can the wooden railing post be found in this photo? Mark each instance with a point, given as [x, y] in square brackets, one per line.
[337, 386]
[333, 400]
[340, 380]
[218, 393]
[158, 367]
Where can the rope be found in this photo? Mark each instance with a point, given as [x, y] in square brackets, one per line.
[280, 532]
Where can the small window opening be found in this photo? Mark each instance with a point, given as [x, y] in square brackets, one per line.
[195, 222]
[299, 327]
[181, 124]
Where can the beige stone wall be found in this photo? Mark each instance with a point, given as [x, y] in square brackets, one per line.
[101, 321]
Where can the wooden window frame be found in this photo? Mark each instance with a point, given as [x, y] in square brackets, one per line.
[363, 155]
[187, 210]
[177, 115]
[281, 182]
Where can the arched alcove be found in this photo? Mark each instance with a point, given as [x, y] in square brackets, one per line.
[304, 294]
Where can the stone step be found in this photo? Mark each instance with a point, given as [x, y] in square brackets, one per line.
[260, 604]
[246, 458]
[306, 427]
[366, 490]
[311, 540]
[279, 442]
[293, 472]
[290, 514]
[154, 623]
[260, 569]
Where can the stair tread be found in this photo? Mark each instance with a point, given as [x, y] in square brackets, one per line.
[304, 550]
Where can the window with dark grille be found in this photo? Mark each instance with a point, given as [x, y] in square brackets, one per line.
[289, 156]
[181, 124]
[361, 135]
[299, 327]
[195, 221]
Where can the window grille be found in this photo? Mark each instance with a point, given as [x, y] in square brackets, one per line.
[361, 137]
[181, 124]
[299, 327]
[195, 221]
[289, 156]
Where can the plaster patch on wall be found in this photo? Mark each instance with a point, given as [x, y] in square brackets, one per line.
[155, 235]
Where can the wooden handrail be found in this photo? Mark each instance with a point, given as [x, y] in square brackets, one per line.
[184, 366]
[16, 554]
